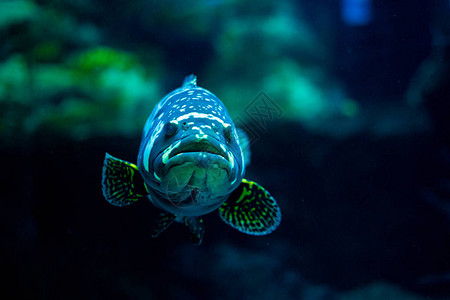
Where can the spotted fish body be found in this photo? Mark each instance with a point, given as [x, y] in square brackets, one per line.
[191, 162]
[190, 183]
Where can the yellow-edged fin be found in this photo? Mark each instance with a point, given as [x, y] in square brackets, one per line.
[251, 209]
[121, 182]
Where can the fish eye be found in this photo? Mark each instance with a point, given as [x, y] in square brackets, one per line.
[170, 128]
[227, 132]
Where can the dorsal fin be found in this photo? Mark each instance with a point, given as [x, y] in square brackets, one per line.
[190, 81]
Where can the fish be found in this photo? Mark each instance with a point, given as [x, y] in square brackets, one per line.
[191, 162]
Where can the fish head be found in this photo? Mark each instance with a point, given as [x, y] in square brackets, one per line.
[194, 164]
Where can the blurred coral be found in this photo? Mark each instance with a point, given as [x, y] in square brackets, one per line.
[82, 79]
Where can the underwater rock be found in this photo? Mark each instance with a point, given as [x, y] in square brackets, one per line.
[430, 91]
[96, 92]
[16, 12]
[285, 60]
[379, 290]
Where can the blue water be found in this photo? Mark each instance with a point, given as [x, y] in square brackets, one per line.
[346, 107]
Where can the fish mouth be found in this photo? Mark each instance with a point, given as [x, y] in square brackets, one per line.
[205, 152]
[193, 175]
[203, 145]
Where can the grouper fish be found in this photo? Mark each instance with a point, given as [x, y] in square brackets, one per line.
[191, 162]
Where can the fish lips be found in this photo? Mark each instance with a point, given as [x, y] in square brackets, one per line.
[199, 159]
[203, 153]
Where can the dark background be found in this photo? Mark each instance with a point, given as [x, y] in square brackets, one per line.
[366, 210]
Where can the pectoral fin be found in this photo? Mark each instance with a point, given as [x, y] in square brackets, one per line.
[121, 182]
[251, 209]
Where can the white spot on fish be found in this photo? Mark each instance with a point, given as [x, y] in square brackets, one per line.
[156, 176]
[201, 115]
[198, 129]
[223, 148]
[231, 159]
[166, 153]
